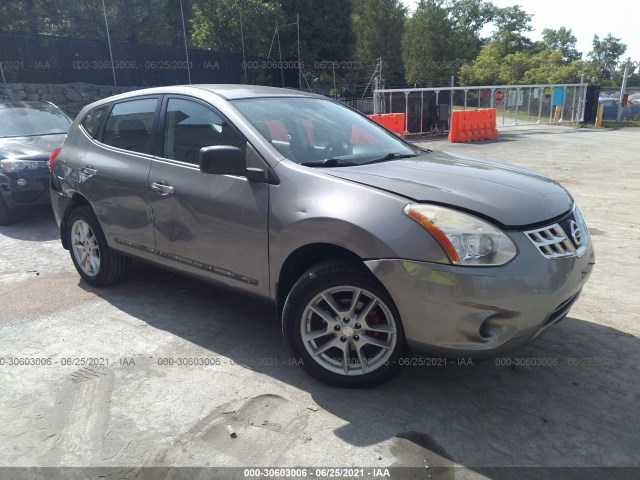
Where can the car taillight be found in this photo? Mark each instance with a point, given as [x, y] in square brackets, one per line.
[52, 157]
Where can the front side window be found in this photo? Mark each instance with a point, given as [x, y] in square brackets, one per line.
[189, 126]
[129, 125]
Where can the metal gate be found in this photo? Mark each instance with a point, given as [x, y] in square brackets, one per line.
[428, 110]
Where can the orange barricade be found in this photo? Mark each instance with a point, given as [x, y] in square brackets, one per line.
[391, 121]
[473, 125]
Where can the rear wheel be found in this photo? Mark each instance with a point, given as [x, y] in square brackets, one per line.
[343, 325]
[7, 215]
[94, 260]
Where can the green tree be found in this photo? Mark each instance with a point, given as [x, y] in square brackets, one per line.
[562, 40]
[469, 17]
[325, 29]
[216, 25]
[486, 69]
[526, 67]
[428, 45]
[155, 22]
[378, 26]
[510, 25]
[21, 16]
[605, 54]
[550, 66]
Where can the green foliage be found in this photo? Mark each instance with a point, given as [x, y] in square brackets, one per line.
[216, 25]
[485, 69]
[442, 38]
[546, 66]
[563, 40]
[326, 31]
[471, 15]
[510, 25]
[378, 26]
[156, 22]
[428, 45]
[605, 54]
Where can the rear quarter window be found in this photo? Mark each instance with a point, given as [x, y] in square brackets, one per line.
[92, 120]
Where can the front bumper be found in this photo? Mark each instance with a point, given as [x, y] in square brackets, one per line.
[35, 190]
[481, 312]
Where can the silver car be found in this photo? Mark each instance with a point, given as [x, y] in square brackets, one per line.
[369, 246]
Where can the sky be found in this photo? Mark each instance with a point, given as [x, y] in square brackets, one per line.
[585, 18]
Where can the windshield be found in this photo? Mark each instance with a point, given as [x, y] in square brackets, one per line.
[25, 121]
[318, 132]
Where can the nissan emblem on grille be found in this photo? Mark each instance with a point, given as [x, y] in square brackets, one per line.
[576, 233]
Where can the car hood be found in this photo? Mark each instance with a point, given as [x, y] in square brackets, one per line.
[32, 148]
[509, 195]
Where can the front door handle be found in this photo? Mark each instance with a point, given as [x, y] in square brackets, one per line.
[162, 188]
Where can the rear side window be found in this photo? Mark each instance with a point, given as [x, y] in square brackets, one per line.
[93, 120]
[129, 125]
[189, 126]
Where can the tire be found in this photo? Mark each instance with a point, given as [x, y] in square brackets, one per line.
[94, 260]
[7, 215]
[341, 338]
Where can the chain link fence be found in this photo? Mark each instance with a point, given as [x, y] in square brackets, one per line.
[428, 110]
[610, 100]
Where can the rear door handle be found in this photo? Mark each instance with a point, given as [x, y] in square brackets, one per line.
[89, 171]
[162, 188]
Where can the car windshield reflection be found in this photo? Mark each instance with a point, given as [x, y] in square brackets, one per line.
[321, 133]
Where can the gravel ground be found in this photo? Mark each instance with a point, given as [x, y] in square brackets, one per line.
[129, 410]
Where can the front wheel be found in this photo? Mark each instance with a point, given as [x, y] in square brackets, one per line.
[340, 322]
[94, 260]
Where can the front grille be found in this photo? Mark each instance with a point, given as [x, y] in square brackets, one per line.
[567, 238]
[551, 241]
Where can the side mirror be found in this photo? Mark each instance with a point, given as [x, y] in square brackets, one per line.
[222, 160]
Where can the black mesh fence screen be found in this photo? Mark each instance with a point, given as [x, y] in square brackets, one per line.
[47, 59]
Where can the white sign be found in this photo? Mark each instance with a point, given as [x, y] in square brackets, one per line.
[515, 98]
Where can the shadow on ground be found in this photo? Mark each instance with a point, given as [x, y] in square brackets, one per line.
[576, 405]
[35, 224]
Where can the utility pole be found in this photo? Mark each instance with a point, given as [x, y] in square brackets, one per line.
[279, 54]
[335, 90]
[186, 50]
[244, 61]
[106, 23]
[299, 64]
[624, 86]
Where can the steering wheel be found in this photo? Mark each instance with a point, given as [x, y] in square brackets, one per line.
[336, 148]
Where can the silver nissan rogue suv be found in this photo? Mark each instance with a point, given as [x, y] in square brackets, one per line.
[368, 245]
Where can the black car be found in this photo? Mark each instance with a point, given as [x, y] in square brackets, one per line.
[29, 132]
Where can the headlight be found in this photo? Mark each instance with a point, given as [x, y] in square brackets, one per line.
[467, 240]
[14, 165]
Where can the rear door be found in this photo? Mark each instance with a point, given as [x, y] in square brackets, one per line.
[213, 226]
[113, 175]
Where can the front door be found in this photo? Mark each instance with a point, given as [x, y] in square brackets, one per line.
[213, 226]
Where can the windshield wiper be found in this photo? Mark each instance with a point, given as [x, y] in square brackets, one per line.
[391, 156]
[330, 162]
